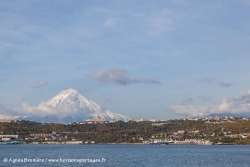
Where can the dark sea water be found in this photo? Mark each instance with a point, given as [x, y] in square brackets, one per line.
[125, 155]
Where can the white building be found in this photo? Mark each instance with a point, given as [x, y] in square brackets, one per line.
[73, 142]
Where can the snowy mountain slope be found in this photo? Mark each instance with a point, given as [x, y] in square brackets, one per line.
[71, 106]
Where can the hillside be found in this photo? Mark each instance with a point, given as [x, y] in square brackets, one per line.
[133, 132]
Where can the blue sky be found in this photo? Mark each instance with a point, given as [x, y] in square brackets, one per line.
[144, 59]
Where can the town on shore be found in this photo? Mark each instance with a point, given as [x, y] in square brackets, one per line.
[188, 131]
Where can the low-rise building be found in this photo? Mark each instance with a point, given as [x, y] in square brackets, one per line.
[10, 136]
[98, 120]
[6, 139]
[73, 142]
[41, 135]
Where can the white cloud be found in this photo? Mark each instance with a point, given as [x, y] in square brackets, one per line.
[239, 104]
[9, 113]
[42, 109]
[3, 116]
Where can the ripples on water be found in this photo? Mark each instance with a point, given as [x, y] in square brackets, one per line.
[131, 155]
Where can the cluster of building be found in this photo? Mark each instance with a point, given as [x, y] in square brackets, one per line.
[193, 142]
[43, 138]
[242, 135]
[218, 119]
[162, 139]
[8, 137]
[94, 121]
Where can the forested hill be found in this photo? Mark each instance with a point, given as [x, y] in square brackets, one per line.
[134, 132]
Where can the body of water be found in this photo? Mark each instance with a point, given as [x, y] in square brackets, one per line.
[124, 155]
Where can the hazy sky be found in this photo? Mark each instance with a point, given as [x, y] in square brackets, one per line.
[145, 59]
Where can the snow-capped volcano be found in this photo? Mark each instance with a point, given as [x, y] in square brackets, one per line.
[71, 97]
[71, 106]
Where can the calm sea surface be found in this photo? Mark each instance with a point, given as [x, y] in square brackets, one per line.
[124, 155]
